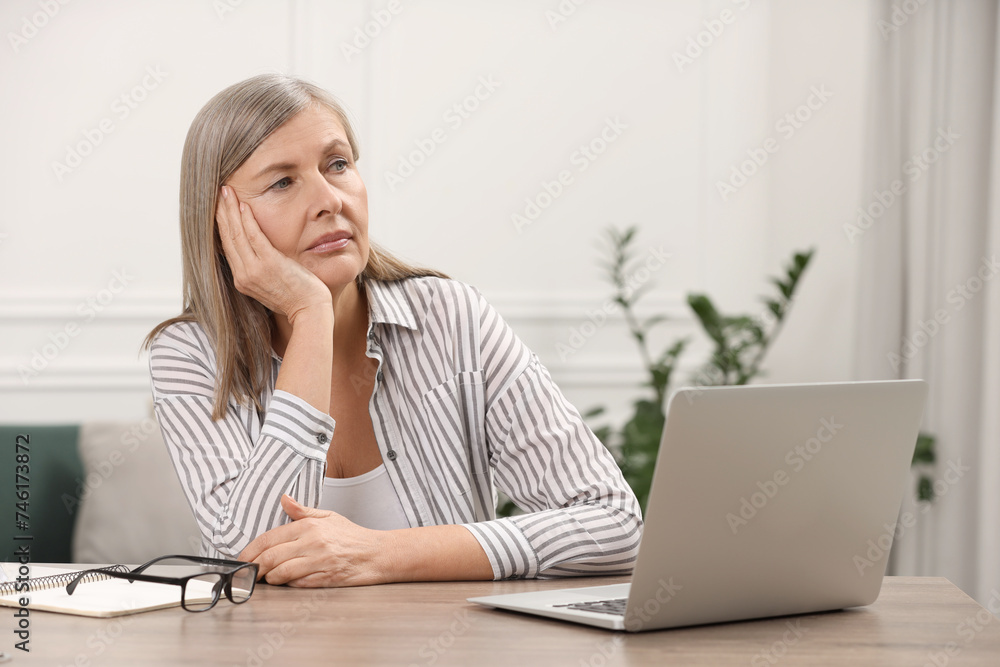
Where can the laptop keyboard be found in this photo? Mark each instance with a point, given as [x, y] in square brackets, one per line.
[615, 607]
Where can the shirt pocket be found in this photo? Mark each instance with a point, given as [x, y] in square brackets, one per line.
[454, 436]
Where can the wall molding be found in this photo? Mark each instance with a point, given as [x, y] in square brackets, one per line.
[132, 305]
[536, 307]
[98, 376]
[574, 306]
[84, 376]
[123, 371]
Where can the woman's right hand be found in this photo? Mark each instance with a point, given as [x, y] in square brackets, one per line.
[259, 270]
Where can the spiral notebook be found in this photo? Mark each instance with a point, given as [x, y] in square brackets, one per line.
[99, 596]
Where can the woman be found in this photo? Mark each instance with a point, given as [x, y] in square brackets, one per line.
[337, 416]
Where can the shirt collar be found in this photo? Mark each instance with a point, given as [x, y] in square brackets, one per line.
[388, 303]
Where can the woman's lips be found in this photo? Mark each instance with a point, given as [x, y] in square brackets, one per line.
[331, 242]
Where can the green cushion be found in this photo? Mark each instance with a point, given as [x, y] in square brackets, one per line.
[55, 481]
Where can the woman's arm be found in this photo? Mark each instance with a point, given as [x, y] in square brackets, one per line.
[321, 548]
[582, 517]
[233, 480]
[233, 470]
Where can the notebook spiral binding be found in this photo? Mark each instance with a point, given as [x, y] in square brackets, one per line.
[57, 580]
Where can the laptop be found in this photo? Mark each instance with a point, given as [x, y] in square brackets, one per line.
[767, 500]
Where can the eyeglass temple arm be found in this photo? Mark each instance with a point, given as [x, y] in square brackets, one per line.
[111, 571]
[193, 559]
[142, 567]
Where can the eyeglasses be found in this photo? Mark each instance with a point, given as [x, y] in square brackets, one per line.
[200, 590]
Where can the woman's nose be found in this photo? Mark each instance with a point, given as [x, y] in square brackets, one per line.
[324, 197]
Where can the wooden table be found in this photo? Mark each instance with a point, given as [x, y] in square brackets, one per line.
[914, 622]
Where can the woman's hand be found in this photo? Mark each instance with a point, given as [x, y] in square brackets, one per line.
[321, 548]
[318, 549]
[260, 271]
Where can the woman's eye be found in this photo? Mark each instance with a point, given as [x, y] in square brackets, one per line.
[282, 184]
[339, 164]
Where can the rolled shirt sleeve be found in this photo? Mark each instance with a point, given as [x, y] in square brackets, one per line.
[233, 471]
[581, 516]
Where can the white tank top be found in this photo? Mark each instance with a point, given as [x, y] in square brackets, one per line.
[367, 500]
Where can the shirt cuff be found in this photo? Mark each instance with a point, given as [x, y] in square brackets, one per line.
[510, 554]
[302, 427]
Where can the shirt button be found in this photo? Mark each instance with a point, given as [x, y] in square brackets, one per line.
[391, 454]
[322, 439]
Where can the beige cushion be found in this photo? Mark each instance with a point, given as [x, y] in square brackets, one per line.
[132, 508]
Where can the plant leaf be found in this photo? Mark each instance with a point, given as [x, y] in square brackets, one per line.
[776, 307]
[709, 317]
[783, 287]
[672, 352]
[925, 489]
[924, 451]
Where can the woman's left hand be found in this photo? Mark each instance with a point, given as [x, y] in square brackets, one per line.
[317, 549]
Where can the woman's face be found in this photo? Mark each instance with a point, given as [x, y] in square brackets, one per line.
[305, 192]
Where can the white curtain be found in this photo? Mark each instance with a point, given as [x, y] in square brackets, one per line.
[928, 234]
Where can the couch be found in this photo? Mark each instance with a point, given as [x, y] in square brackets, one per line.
[98, 492]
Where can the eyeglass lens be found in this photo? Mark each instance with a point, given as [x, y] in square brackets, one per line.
[242, 584]
[202, 591]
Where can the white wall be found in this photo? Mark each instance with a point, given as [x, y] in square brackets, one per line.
[64, 236]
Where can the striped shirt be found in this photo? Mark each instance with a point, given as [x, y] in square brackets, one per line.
[460, 404]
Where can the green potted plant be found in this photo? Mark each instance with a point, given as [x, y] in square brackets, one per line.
[740, 344]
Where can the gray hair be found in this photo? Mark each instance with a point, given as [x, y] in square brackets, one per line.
[223, 135]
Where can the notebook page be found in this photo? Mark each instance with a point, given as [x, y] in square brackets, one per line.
[110, 597]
